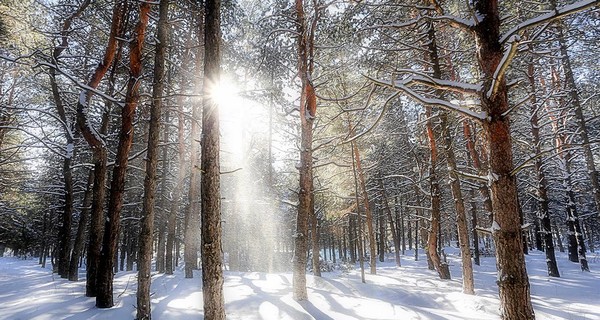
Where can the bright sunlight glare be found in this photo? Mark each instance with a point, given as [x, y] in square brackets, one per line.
[226, 94]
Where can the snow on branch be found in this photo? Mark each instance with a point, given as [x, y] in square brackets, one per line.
[454, 21]
[402, 86]
[455, 86]
[474, 177]
[503, 65]
[549, 16]
[83, 86]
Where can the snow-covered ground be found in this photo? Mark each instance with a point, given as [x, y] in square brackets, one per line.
[410, 292]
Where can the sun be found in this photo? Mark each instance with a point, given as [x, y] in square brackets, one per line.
[231, 113]
[226, 95]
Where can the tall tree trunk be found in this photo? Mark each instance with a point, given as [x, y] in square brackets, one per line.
[147, 221]
[434, 228]
[361, 251]
[382, 236]
[308, 107]
[475, 157]
[212, 264]
[314, 233]
[454, 179]
[459, 204]
[545, 229]
[576, 244]
[388, 211]
[161, 218]
[174, 208]
[192, 223]
[368, 213]
[66, 123]
[474, 228]
[513, 282]
[580, 121]
[82, 225]
[67, 215]
[98, 146]
[104, 299]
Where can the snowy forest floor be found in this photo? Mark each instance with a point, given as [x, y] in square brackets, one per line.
[409, 292]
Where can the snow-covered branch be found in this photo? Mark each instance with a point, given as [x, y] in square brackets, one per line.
[503, 65]
[471, 176]
[83, 86]
[446, 85]
[549, 16]
[454, 21]
[399, 85]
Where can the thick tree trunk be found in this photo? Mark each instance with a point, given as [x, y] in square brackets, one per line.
[147, 221]
[104, 299]
[96, 222]
[212, 264]
[98, 146]
[67, 218]
[308, 107]
[513, 282]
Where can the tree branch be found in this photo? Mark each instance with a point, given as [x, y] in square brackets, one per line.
[550, 16]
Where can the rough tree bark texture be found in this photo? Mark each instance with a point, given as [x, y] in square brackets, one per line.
[308, 107]
[98, 147]
[104, 298]
[513, 282]
[212, 264]
[147, 222]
